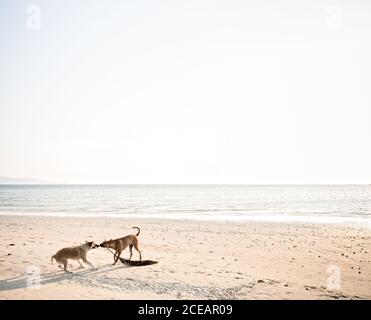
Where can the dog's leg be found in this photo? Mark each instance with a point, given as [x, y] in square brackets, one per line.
[131, 251]
[114, 258]
[65, 262]
[81, 266]
[87, 262]
[117, 256]
[137, 248]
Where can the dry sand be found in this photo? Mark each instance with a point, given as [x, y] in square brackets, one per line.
[197, 260]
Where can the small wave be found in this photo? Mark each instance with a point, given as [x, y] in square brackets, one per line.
[274, 218]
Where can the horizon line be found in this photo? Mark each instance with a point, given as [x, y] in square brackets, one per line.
[182, 184]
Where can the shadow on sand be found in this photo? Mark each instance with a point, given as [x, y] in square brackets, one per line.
[27, 281]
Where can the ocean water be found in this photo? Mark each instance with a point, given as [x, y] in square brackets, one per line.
[337, 203]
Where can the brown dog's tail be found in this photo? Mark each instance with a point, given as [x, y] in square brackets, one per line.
[52, 258]
[138, 230]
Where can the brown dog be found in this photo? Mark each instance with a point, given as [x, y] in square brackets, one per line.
[121, 244]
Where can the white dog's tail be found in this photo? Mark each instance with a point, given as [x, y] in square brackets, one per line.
[52, 258]
[138, 230]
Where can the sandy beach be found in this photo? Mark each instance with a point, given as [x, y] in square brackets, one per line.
[197, 260]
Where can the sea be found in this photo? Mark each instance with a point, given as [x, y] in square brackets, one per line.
[305, 203]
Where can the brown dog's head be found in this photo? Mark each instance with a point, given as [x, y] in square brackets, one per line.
[106, 244]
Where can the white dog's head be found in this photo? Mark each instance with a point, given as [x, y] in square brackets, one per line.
[90, 245]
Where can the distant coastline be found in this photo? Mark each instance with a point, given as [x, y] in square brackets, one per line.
[9, 180]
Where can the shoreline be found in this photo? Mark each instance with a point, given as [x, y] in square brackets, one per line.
[197, 259]
[305, 219]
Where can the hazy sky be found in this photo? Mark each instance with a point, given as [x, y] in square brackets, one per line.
[186, 91]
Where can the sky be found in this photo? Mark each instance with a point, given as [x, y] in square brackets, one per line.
[193, 92]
